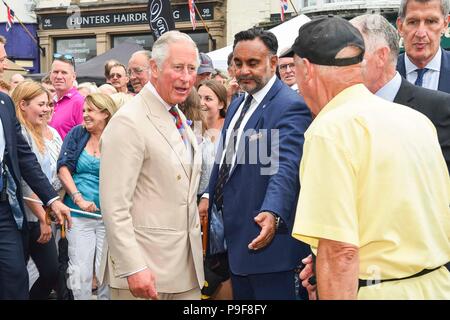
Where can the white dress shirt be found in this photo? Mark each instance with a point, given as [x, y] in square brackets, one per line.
[390, 89]
[431, 77]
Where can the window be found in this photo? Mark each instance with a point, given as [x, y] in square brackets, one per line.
[82, 49]
[145, 40]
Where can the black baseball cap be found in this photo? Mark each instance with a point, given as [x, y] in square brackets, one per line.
[320, 40]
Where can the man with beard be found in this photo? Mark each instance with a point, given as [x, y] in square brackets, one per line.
[254, 184]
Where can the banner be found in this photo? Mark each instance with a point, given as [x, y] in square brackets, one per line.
[160, 17]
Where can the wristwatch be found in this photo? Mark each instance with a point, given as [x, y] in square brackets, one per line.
[277, 220]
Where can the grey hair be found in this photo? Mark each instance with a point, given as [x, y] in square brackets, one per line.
[146, 53]
[445, 7]
[160, 48]
[378, 31]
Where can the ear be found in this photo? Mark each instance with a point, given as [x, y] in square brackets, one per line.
[383, 54]
[399, 27]
[154, 68]
[274, 62]
[22, 105]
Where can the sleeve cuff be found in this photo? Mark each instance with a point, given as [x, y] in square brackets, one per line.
[131, 273]
[51, 201]
[205, 195]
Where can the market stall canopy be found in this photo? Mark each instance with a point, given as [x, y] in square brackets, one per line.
[94, 69]
[285, 33]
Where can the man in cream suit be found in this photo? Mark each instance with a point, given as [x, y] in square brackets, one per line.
[149, 173]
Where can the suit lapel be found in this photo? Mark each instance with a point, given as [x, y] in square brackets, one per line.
[6, 122]
[253, 122]
[444, 77]
[401, 68]
[163, 121]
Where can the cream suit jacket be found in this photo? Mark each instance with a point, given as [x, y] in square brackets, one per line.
[148, 192]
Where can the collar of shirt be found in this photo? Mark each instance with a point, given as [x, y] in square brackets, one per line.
[69, 94]
[149, 86]
[345, 95]
[390, 89]
[434, 64]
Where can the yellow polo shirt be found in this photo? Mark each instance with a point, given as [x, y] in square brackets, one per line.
[373, 175]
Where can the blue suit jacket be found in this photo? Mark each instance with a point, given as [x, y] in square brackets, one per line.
[19, 158]
[256, 184]
[444, 77]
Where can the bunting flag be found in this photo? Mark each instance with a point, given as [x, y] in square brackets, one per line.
[192, 13]
[10, 19]
[284, 7]
[160, 17]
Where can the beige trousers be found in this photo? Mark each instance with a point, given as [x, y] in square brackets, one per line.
[122, 294]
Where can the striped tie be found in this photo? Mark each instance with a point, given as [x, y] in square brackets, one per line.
[178, 123]
[224, 170]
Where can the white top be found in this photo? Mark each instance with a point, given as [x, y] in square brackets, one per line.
[53, 148]
[431, 77]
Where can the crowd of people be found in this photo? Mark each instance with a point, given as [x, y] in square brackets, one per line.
[322, 172]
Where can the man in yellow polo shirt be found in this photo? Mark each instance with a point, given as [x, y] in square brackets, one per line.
[375, 191]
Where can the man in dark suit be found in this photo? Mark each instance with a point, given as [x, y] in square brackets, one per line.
[422, 24]
[254, 184]
[18, 159]
[381, 78]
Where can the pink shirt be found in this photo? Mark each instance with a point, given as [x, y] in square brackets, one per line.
[68, 112]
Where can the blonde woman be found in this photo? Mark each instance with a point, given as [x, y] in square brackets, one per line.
[32, 106]
[78, 169]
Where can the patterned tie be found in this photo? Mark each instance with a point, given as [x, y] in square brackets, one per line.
[420, 73]
[224, 170]
[178, 123]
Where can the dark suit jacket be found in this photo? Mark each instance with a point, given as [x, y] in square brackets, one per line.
[19, 158]
[444, 77]
[256, 184]
[435, 105]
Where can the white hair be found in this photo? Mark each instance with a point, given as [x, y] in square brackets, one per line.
[160, 48]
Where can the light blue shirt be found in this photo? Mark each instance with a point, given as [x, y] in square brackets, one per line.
[431, 77]
[390, 89]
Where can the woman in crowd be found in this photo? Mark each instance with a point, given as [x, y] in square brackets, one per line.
[78, 169]
[32, 109]
[191, 108]
[213, 97]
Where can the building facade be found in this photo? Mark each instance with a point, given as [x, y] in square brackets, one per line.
[87, 28]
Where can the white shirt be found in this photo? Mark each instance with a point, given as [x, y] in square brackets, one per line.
[390, 89]
[2, 139]
[431, 77]
[257, 98]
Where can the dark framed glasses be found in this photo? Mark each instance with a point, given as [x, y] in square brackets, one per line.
[64, 57]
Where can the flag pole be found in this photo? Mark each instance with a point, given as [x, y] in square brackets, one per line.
[206, 27]
[293, 7]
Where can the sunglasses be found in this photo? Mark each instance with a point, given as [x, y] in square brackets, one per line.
[64, 57]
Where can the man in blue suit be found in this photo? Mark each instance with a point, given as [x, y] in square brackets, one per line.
[254, 184]
[17, 158]
[422, 24]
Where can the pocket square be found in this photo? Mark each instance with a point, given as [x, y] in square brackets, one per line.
[255, 136]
